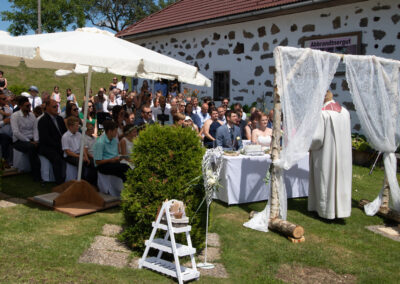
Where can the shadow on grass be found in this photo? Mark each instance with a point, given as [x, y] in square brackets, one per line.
[300, 205]
[294, 204]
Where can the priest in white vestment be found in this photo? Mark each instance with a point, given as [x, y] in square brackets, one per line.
[331, 163]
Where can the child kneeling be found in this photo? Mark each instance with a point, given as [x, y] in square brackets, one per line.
[105, 152]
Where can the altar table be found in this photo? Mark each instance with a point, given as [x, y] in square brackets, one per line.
[242, 179]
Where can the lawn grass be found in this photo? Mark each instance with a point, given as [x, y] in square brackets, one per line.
[45, 80]
[39, 245]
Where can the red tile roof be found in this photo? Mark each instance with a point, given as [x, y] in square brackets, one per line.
[192, 11]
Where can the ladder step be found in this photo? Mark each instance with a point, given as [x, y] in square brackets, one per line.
[169, 268]
[177, 230]
[166, 246]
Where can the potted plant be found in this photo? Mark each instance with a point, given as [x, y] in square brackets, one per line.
[363, 154]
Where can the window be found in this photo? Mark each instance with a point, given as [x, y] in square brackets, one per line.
[221, 85]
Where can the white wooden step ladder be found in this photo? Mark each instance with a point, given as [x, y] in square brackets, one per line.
[169, 245]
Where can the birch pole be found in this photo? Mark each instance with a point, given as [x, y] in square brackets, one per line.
[275, 153]
[276, 224]
[385, 196]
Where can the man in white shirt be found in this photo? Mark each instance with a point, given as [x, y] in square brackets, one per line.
[221, 114]
[195, 103]
[162, 114]
[33, 98]
[22, 123]
[117, 94]
[203, 115]
[123, 85]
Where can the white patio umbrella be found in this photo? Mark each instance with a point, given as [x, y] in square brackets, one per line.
[90, 49]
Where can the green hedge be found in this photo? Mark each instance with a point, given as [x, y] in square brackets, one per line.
[166, 159]
[18, 89]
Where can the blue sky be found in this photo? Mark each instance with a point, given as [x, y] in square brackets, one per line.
[5, 5]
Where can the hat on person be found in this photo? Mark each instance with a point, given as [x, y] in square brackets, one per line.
[188, 118]
[33, 88]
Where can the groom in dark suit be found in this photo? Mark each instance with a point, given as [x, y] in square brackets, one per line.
[51, 128]
[228, 135]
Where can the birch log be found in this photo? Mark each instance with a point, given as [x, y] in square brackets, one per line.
[276, 224]
[383, 212]
[286, 228]
[275, 152]
[385, 196]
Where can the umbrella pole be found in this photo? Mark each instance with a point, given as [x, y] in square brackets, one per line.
[89, 81]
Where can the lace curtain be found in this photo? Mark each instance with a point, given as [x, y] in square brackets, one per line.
[374, 85]
[302, 76]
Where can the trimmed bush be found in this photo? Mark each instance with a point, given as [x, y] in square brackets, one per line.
[166, 160]
[17, 89]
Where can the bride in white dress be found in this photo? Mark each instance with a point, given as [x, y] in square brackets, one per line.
[262, 135]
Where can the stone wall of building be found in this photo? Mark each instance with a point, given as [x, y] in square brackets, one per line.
[246, 49]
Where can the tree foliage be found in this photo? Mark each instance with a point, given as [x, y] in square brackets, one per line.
[56, 15]
[119, 14]
[165, 3]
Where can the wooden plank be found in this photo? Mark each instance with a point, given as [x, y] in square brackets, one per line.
[296, 241]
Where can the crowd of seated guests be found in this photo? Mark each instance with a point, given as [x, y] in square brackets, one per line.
[40, 125]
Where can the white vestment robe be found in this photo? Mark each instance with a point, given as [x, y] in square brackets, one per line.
[331, 166]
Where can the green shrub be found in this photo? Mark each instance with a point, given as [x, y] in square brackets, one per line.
[359, 143]
[17, 89]
[166, 160]
[246, 109]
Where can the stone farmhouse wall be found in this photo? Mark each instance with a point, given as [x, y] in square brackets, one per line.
[246, 49]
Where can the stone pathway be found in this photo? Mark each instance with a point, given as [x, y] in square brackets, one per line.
[107, 250]
[391, 232]
[8, 201]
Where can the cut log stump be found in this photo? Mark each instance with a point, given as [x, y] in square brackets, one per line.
[384, 212]
[286, 228]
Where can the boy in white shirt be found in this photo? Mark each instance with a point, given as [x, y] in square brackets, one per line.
[71, 141]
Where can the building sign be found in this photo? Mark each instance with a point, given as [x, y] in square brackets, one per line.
[340, 43]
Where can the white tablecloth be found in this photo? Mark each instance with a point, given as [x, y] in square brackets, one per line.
[242, 179]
